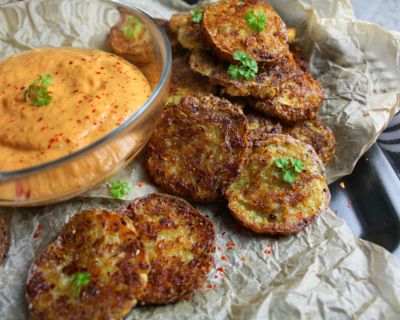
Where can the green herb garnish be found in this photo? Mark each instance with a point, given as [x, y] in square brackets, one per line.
[132, 28]
[119, 188]
[256, 21]
[290, 168]
[197, 15]
[37, 92]
[80, 280]
[247, 68]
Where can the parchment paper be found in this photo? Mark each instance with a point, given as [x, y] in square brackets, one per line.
[324, 272]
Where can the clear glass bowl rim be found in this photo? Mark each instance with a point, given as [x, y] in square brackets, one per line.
[11, 175]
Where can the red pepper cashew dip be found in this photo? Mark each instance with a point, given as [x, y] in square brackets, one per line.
[56, 101]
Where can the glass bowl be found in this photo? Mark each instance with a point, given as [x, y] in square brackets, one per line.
[80, 171]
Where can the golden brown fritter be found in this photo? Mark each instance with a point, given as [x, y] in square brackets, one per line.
[261, 199]
[176, 48]
[102, 247]
[198, 147]
[227, 31]
[4, 240]
[298, 98]
[185, 82]
[178, 20]
[180, 242]
[288, 93]
[316, 134]
[131, 39]
[191, 36]
[261, 127]
[266, 83]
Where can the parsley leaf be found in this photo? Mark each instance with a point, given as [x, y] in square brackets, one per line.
[37, 92]
[256, 21]
[290, 167]
[197, 15]
[132, 28]
[247, 68]
[80, 280]
[120, 188]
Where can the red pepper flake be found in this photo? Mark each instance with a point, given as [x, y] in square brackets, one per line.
[218, 248]
[221, 270]
[70, 62]
[244, 259]
[214, 286]
[300, 215]
[209, 286]
[75, 91]
[267, 251]
[40, 119]
[43, 128]
[93, 110]
[98, 72]
[38, 231]
[230, 245]
[215, 277]
[87, 117]
[224, 258]
[22, 88]
[140, 184]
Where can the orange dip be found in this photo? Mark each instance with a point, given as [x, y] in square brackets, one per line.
[93, 92]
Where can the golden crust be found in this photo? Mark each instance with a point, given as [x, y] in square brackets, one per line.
[198, 147]
[176, 48]
[191, 36]
[185, 82]
[137, 49]
[178, 20]
[227, 30]
[4, 240]
[298, 98]
[288, 92]
[316, 134]
[180, 242]
[262, 201]
[101, 243]
[261, 127]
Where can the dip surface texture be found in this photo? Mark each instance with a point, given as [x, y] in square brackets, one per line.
[93, 92]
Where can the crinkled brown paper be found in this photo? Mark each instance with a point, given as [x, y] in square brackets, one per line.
[324, 272]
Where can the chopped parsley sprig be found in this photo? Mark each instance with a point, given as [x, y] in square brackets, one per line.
[197, 15]
[120, 188]
[132, 28]
[80, 280]
[255, 20]
[246, 69]
[38, 93]
[290, 168]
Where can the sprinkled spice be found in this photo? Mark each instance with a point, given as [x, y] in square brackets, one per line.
[244, 259]
[230, 245]
[224, 258]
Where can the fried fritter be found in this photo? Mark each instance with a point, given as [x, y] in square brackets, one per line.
[227, 31]
[96, 268]
[185, 82]
[298, 98]
[316, 134]
[191, 36]
[176, 48]
[261, 199]
[288, 92]
[267, 82]
[4, 241]
[131, 39]
[178, 20]
[180, 242]
[198, 147]
[261, 127]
